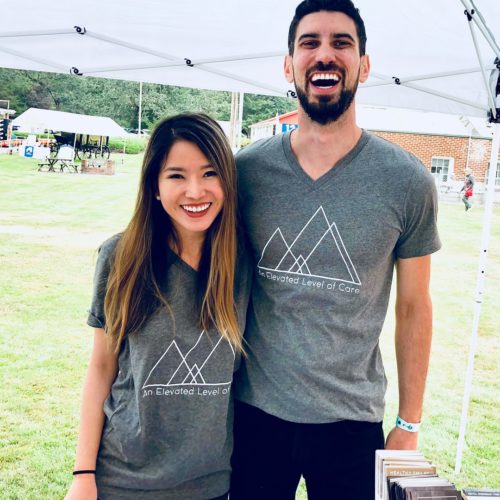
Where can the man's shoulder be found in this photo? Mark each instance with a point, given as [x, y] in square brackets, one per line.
[391, 150]
[394, 157]
[262, 147]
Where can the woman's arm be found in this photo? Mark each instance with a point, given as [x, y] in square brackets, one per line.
[100, 376]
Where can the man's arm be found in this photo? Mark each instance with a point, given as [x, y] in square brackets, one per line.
[413, 342]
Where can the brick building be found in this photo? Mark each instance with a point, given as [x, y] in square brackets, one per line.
[445, 144]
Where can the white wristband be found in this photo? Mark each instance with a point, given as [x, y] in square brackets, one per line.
[407, 426]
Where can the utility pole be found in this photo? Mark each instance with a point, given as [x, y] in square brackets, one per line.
[140, 109]
[236, 121]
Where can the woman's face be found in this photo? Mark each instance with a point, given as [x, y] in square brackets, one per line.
[190, 190]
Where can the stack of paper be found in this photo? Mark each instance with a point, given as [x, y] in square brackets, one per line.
[472, 494]
[408, 475]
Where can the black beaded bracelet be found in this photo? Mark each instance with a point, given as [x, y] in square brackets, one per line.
[88, 471]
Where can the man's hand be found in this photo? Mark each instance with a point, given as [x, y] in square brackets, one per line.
[399, 439]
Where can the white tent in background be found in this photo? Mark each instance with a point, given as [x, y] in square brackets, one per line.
[430, 55]
[40, 120]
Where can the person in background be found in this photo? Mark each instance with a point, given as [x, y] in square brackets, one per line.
[168, 310]
[330, 211]
[468, 189]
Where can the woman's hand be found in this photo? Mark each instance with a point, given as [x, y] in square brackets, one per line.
[83, 487]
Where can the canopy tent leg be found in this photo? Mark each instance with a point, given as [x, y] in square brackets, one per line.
[488, 212]
[485, 238]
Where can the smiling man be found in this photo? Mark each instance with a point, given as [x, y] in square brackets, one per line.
[330, 211]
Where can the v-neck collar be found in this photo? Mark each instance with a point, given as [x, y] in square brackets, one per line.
[333, 171]
[174, 259]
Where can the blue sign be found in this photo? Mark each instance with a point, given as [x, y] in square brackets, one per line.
[29, 151]
[285, 127]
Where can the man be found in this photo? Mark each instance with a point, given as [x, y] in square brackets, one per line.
[468, 188]
[330, 210]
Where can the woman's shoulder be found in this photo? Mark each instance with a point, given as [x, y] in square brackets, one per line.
[107, 247]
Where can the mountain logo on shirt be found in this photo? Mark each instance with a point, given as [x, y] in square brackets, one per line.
[317, 251]
[200, 366]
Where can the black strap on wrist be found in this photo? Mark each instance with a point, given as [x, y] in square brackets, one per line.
[83, 471]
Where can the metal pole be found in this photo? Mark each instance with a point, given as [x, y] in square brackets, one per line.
[488, 211]
[74, 150]
[481, 24]
[388, 80]
[240, 119]
[468, 148]
[233, 123]
[140, 109]
[9, 125]
[491, 99]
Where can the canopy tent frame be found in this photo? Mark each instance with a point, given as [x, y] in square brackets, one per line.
[406, 82]
[390, 79]
[483, 106]
[473, 14]
[478, 297]
[481, 64]
[172, 61]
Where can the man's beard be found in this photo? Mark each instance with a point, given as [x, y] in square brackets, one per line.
[325, 111]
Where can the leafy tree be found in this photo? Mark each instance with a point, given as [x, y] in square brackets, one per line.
[119, 99]
[258, 107]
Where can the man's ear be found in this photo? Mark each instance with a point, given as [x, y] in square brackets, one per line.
[364, 70]
[288, 69]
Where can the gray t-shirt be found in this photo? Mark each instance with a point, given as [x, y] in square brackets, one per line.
[324, 256]
[169, 414]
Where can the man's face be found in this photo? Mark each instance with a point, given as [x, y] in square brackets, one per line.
[326, 66]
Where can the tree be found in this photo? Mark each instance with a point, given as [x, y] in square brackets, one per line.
[119, 99]
[257, 108]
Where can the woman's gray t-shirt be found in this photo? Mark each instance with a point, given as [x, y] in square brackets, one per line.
[168, 427]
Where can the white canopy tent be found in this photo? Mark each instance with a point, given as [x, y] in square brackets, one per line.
[433, 55]
[239, 46]
[39, 120]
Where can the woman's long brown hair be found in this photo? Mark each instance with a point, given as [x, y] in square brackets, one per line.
[140, 259]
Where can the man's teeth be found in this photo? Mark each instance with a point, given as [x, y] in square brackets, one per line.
[197, 208]
[325, 76]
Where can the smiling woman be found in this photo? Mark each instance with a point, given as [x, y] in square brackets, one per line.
[168, 316]
[190, 192]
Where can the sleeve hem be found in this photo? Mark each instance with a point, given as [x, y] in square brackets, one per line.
[94, 321]
[420, 253]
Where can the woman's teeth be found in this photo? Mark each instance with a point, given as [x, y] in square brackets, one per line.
[196, 208]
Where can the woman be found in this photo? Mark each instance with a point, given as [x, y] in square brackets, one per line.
[156, 418]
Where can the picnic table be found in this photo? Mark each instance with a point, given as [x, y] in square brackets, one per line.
[63, 160]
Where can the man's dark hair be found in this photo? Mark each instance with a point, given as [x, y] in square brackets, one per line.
[311, 6]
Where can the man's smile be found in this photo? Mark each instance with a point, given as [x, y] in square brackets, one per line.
[325, 80]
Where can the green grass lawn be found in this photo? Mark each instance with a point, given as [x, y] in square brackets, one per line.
[50, 227]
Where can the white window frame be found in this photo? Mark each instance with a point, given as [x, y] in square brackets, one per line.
[450, 172]
[497, 175]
